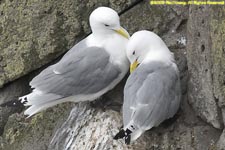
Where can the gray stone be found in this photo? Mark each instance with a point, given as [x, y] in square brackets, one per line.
[9, 94]
[33, 133]
[221, 142]
[206, 63]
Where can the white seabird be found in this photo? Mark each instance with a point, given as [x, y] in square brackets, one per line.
[88, 70]
[152, 92]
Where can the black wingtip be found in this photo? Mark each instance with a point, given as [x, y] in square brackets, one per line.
[119, 135]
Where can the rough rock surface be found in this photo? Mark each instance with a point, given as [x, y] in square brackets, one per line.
[35, 32]
[46, 29]
[205, 64]
[33, 134]
[88, 128]
[11, 92]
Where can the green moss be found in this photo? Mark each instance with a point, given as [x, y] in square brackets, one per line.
[218, 53]
[32, 37]
[36, 131]
[13, 68]
[35, 119]
[2, 78]
[12, 135]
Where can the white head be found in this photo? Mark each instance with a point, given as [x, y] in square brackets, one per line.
[104, 20]
[146, 46]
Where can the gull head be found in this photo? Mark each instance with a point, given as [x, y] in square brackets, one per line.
[145, 46]
[104, 20]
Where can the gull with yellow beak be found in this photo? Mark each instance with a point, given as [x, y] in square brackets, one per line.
[88, 70]
[152, 91]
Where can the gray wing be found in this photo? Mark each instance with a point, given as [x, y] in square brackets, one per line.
[84, 71]
[77, 47]
[151, 95]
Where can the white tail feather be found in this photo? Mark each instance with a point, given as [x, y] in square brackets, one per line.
[38, 101]
[39, 107]
[136, 134]
[38, 97]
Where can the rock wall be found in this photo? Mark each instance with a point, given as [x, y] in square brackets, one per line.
[206, 64]
[35, 33]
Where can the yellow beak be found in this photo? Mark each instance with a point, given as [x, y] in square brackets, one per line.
[133, 66]
[123, 32]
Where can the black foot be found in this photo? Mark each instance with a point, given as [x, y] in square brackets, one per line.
[127, 139]
[124, 134]
[120, 135]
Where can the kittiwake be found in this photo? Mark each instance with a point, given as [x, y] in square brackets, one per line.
[152, 92]
[88, 70]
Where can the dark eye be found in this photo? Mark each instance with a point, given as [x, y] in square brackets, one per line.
[133, 53]
[106, 25]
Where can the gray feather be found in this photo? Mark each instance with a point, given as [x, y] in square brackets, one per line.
[84, 71]
[151, 95]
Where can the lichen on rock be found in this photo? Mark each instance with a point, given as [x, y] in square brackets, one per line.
[34, 33]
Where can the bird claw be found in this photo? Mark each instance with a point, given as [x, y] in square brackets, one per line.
[124, 134]
[119, 135]
[127, 139]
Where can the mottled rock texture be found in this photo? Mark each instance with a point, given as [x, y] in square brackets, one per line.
[35, 33]
[206, 63]
[11, 92]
